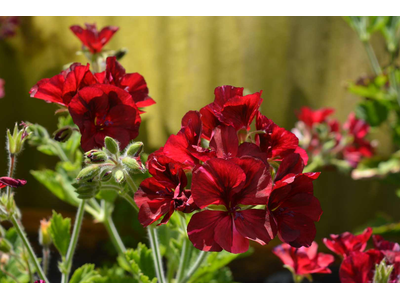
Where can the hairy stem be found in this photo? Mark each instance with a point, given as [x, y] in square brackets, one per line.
[74, 241]
[199, 261]
[24, 239]
[46, 259]
[113, 233]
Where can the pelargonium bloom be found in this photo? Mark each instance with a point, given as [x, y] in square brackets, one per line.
[230, 185]
[343, 244]
[304, 261]
[311, 117]
[63, 87]
[133, 83]
[91, 38]
[104, 110]
[2, 93]
[11, 182]
[230, 107]
[359, 267]
[185, 146]
[292, 207]
[165, 192]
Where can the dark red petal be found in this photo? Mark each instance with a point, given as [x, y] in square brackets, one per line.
[292, 164]
[210, 121]
[359, 267]
[228, 237]
[215, 181]
[49, 89]
[250, 224]
[11, 182]
[297, 231]
[226, 92]
[201, 230]
[225, 141]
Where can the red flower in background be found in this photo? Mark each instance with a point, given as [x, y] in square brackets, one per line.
[311, 117]
[304, 261]
[63, 87]
[345, 243]
[163, 193]
[359, 267]
[2, 93]
[104, 110]
[230, 107]
[229, 183]
[133, 83]
[8, 26]
[92, 38]
[292, 207]
[11, 182]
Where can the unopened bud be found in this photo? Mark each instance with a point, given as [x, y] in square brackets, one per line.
[119, 176]
[63, 134]
[135, 149]
[44, 233]
[133, 164]
[15, 141]
[111, 145]
[382, 272]
[121, 53]
[89, 173]
[5, 246]
[87, 190]
[106, 175]
[96, 156]
[4, 258]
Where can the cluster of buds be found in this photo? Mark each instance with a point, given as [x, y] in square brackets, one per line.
[107, 163]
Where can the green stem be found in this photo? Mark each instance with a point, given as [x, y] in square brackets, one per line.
[61, 153]
[151, 230]
[74, 241]
[185, 254]
[113, 233]
[372, 58]
[24, 239]
[393, 82]
[199, 261]
[123, 194]
[46, 259]
[10, 173]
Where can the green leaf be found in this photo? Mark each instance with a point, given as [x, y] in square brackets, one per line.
[373, 112]
[141, 263]
[60, 231]
[85, 274]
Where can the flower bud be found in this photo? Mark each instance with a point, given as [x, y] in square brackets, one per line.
[63, 134]
[111, 145]
[119, 176]
[89, 173]
[96, 156]
[5, 246]
[4, 258]
[87, 190]
[132, 164]
[15, 141]
[135, 149]
[105, 175]
[44, 233]
[382, 272]
[121, 53]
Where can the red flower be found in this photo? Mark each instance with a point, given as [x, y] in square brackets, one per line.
[93, 39]
[11, 182]
[304, 261]
[104, 110]
[359, 267]
[277, 142]
[391, 251]
[185, 146]
[63, 87]
[163, 193]
[2, 93]
[133, 83]
[343, 244]
[230, 107]
[292, 207]
[311, 117]
[229, 183]
[8, 26]
[356, 127]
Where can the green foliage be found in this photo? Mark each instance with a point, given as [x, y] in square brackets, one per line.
[374, 112]
[85, 274]
[140, 263]
[60, 231]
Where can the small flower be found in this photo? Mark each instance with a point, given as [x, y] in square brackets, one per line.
[11, 182]
[104, 110]
[92, 39]
[311, 117]
[345, 243]
[2, 93]
[304, 261]
[44, 233]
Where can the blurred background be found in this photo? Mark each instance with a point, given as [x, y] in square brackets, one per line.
[296, 61]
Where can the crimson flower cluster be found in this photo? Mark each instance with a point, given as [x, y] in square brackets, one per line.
[323, 136]
[358, 266]
[91, 38]
[245, 185]
[101, 104]
[304, 261]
